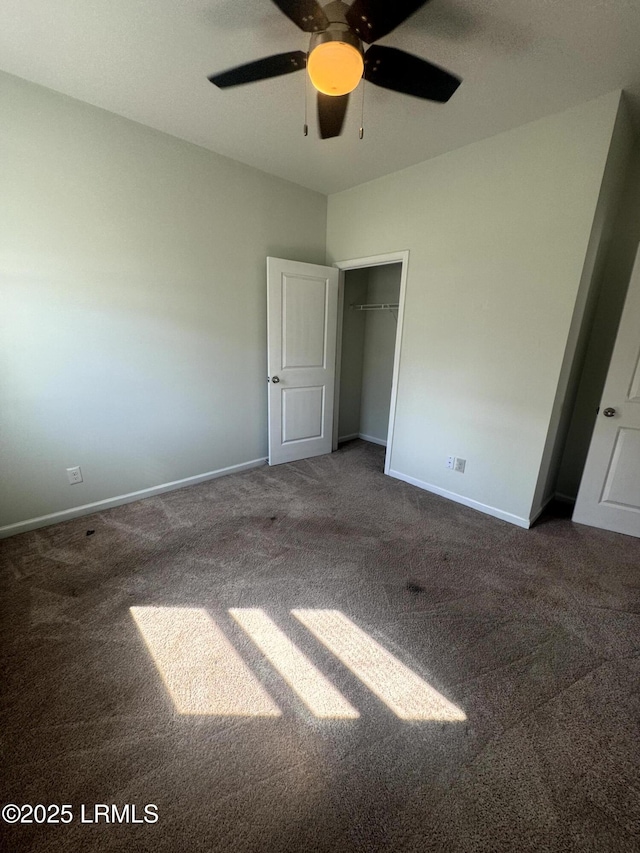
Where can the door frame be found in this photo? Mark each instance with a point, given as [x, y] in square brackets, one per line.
[402, 258]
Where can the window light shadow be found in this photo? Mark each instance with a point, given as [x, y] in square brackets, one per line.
[404, 692]
[202, 671]
[204, 674]
[317, 693]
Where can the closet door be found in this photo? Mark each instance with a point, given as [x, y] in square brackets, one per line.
[302, 314]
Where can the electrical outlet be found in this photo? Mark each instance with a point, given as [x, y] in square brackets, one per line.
[459, 465]
[451, 461]
[74, 475]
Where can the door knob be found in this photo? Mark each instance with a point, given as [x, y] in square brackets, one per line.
[275, 379]
[609, 413]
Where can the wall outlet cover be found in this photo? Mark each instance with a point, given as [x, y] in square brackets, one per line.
[74, 475]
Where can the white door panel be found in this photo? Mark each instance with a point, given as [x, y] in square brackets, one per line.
[302, 413]
[302, 306]
[609, 495]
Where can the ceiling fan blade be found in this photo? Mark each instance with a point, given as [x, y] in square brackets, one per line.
[306, 14]
[261, 69]
[372, 19]
[394, 69]
[331, 112]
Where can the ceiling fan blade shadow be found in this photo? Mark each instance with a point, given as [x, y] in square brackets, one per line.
[373, 19]
[306, 14]
[402, 72]
[261, 69]
[331, 112]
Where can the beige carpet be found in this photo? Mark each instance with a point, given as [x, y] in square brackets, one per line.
[448, 682]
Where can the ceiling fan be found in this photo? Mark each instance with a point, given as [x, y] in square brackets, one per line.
[337, 61]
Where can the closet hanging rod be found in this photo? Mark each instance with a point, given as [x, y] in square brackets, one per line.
[377, 306]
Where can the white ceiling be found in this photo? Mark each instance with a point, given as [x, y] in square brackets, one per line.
[149, 60]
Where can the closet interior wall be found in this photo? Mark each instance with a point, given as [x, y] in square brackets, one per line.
[368, 345]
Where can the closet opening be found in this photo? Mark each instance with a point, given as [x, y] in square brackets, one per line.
[370, 305]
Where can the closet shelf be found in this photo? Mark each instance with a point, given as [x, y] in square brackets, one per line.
[377, 306]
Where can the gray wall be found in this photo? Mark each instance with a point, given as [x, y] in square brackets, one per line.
[580, 333]
[133, 337]
[133, 326]
[618, 264]
[498, 233]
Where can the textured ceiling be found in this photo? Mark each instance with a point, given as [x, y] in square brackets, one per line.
[149, 60]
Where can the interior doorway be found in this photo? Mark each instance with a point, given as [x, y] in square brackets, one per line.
[370, 314]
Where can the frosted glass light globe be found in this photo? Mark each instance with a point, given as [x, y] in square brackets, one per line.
[335, 68]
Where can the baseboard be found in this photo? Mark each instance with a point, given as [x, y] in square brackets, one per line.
[109, 503]
[372, 439]
[564, 499]
[453, 496]
[536, 515]
[364, 437]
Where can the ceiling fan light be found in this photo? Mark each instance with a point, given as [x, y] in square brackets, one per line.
[335, 67]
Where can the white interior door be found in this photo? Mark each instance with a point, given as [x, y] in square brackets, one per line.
[609, 494]
[302, 316]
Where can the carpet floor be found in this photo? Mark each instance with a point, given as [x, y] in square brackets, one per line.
[198, 703]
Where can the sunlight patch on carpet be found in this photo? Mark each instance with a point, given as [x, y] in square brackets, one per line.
[404, 692]
[317, 693]
[202, 671]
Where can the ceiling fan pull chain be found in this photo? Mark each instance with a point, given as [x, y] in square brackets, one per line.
[362, 113]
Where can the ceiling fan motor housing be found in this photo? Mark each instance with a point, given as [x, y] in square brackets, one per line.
[336, 56]
[338, 29]
[336, 12]
[336, 32]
